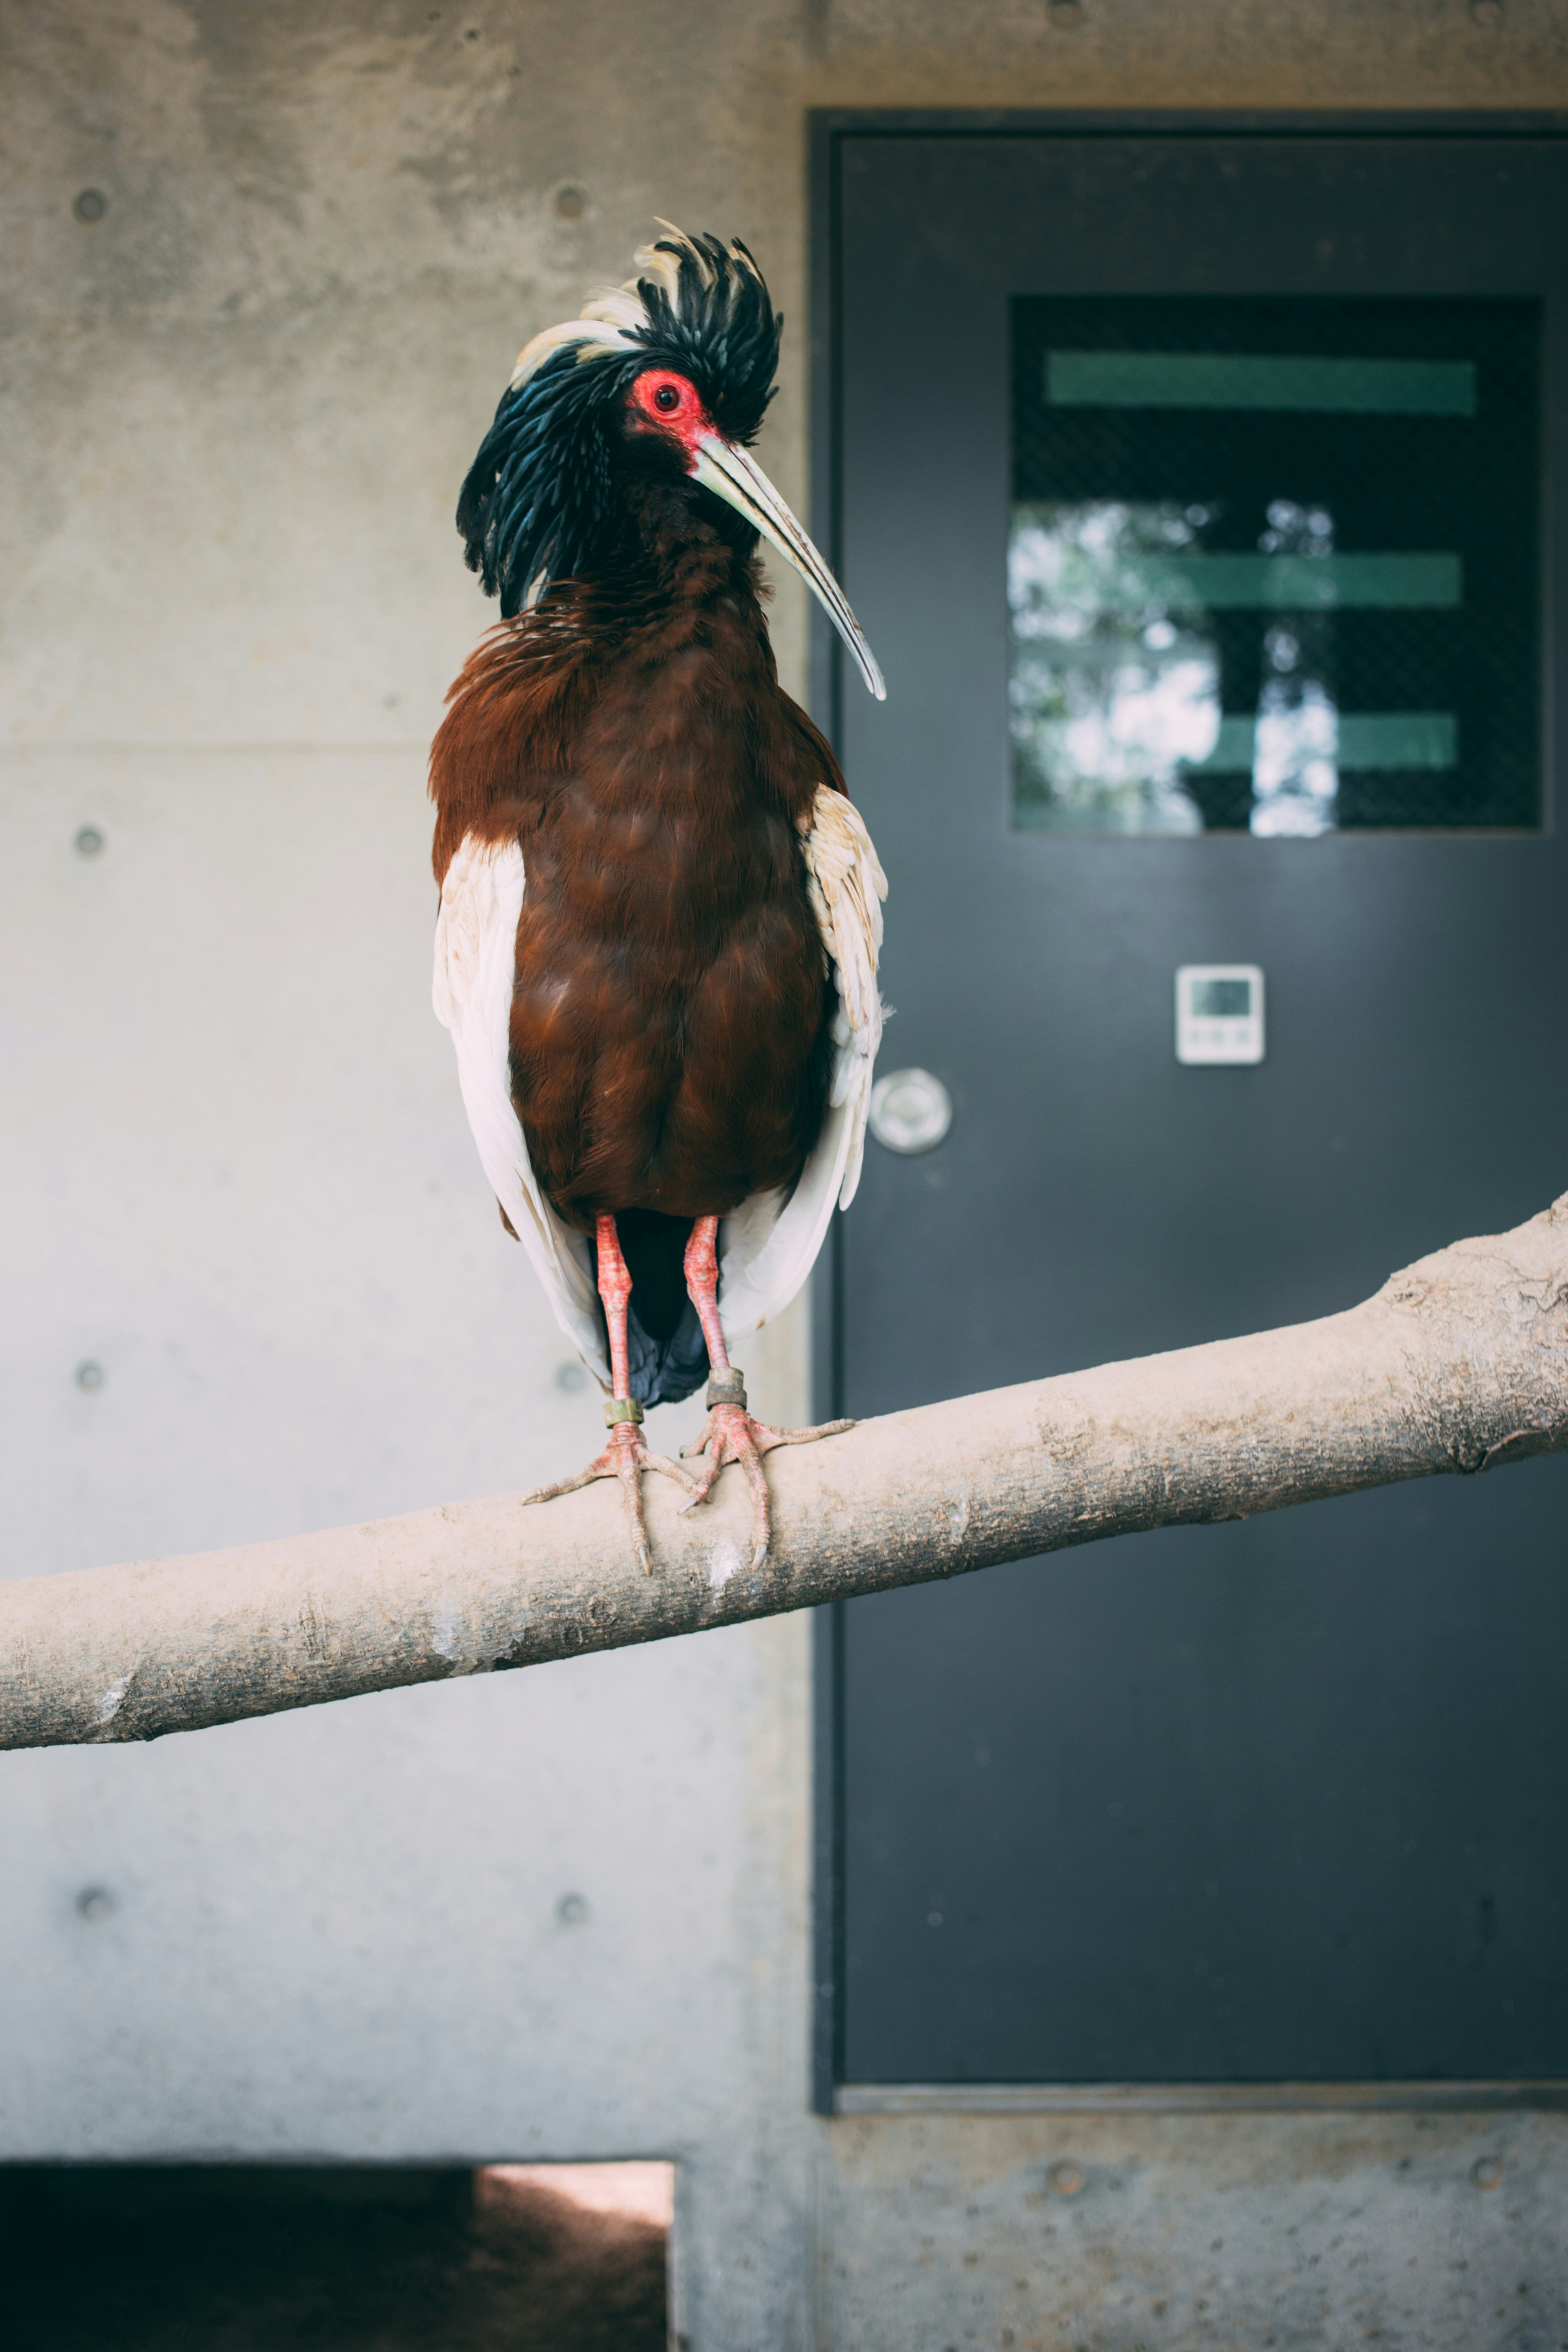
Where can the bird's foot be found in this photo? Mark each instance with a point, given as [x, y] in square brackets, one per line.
[731, 1435]
[626, 1457]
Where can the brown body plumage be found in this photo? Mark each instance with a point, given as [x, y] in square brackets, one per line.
[669, 1024]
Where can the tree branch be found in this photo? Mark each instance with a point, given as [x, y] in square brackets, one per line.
[1457, 1364]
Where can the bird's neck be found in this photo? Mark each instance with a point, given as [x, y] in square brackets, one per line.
[681, 551]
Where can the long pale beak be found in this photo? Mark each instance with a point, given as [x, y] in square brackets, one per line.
[736, 478]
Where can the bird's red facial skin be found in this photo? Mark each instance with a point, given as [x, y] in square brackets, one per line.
[669, 403]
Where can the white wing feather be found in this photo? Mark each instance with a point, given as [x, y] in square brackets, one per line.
[476, 954]
[769, 1246]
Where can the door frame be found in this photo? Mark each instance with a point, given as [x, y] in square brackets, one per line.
[827, 129]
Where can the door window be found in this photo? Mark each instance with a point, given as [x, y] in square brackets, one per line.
[1272, 566]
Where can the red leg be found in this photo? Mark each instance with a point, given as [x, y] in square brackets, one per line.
[626, 1456]
[731, 1435]
[616, 1290]
[702, 1281]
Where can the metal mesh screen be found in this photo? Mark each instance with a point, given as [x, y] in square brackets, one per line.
[1274, 565]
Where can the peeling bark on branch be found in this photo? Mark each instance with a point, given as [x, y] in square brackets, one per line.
[1459, 1363]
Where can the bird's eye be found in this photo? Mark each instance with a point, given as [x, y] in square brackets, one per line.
[665, 399]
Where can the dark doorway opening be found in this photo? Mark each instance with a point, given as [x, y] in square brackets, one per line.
[248, 2258]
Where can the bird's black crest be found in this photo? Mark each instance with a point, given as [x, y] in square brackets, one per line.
[708, 315]
[538, 498]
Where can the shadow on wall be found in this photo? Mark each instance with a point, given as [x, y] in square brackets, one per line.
[244, 2258]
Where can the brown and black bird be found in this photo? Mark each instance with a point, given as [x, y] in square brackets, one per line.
[660, 919]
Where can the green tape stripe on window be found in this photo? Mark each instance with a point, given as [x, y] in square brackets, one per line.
[1281, 584]
[1235, 379]
[1364, 738]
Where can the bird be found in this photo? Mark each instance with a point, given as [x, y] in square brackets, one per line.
[661, 915]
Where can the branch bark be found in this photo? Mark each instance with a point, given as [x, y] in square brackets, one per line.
[1459, 1363]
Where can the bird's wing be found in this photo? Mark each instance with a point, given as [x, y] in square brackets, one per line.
[476, 953]
[770, 1244]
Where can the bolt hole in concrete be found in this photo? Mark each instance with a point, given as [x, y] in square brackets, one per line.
[251, 2258]
[90, 206]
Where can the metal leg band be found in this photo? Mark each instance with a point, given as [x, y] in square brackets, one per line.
[727, 1388]
[618, 1409]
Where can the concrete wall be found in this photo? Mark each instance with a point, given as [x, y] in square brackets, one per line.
[236, 406]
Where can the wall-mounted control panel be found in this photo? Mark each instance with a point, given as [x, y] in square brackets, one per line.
[1219, 1012]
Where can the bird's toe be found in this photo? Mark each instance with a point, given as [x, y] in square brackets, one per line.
[625, 1458]
[629, 1469]
[729, 1434]
[669, 1469]
[602, 1468]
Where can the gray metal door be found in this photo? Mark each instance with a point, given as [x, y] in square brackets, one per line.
[1204, 495]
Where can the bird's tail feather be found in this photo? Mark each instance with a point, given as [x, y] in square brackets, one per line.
[665, 1371]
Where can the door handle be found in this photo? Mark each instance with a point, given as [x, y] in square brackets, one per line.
[910, 1111]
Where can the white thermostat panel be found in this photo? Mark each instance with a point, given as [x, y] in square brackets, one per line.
[1219, 1012]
